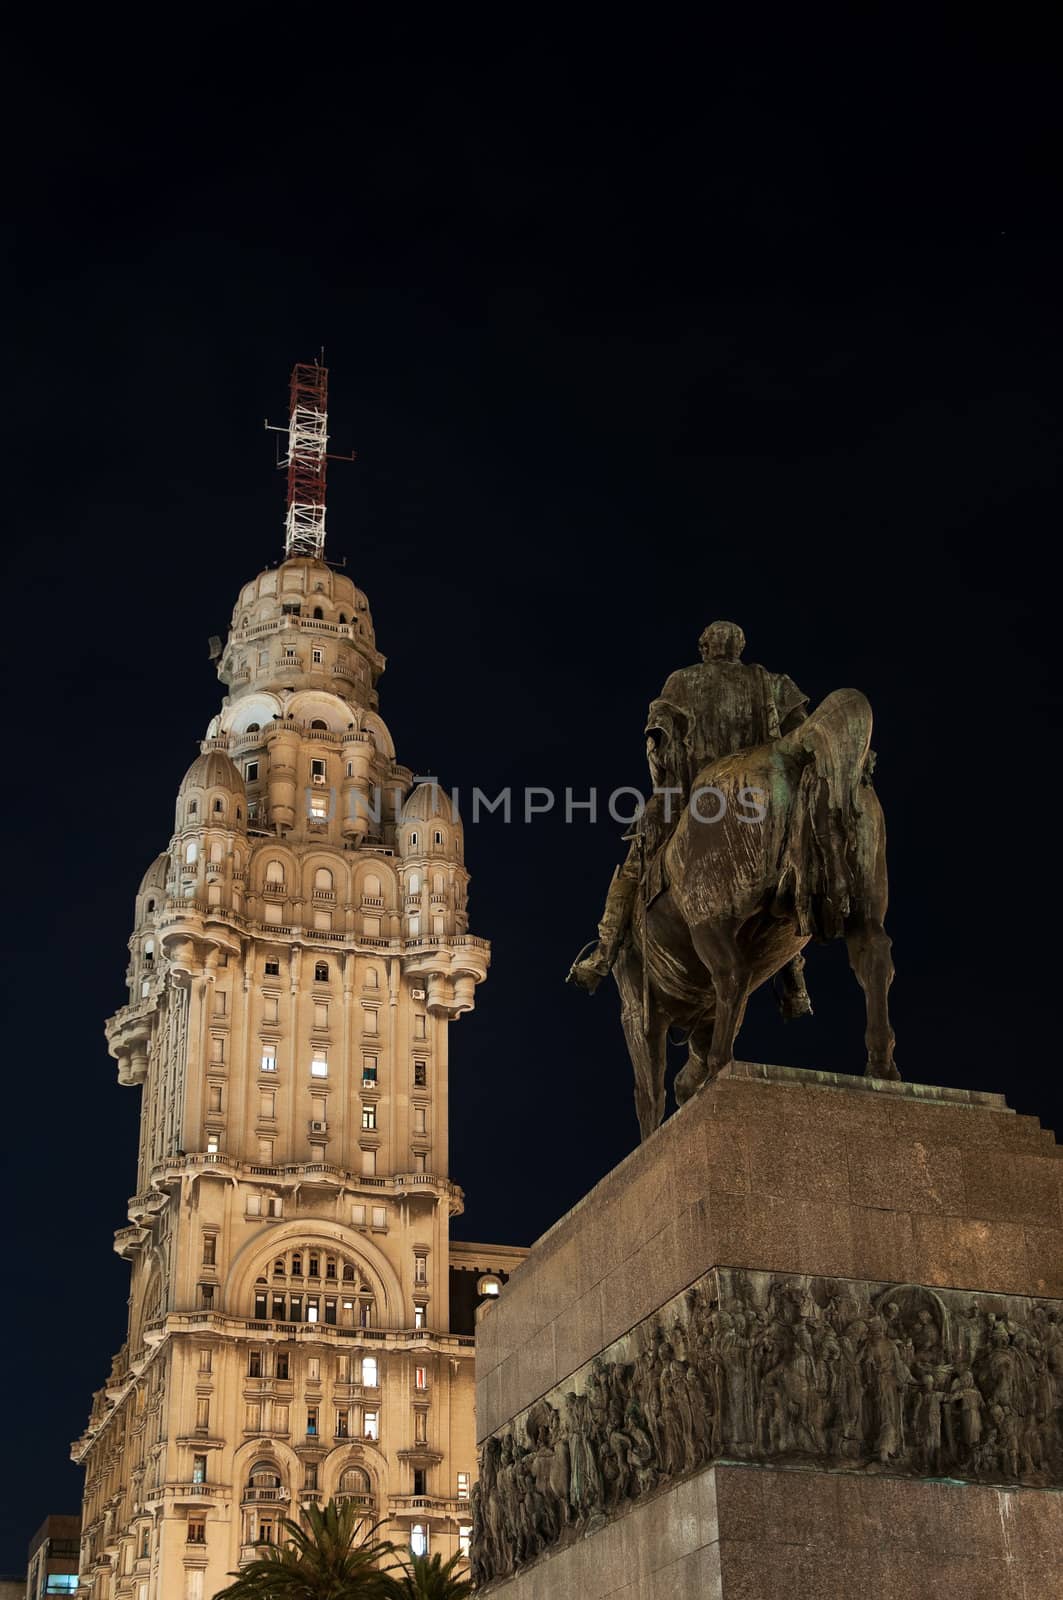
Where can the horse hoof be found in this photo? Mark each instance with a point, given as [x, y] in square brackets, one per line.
[688, 1081]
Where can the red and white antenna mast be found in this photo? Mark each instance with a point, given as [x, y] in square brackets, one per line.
[304, 524]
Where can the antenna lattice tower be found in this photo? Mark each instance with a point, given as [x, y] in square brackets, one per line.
[304, 527]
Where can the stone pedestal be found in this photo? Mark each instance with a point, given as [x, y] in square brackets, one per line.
[806, 1339]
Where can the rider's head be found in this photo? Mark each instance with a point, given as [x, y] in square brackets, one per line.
[722, 641]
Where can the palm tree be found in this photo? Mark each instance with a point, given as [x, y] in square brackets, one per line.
[326, 1560]
[427, 1578]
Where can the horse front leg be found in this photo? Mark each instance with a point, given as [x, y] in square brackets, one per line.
[869, 946]
[646, 1037]
[717, 948]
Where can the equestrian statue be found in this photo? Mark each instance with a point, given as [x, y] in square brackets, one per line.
[763, 832]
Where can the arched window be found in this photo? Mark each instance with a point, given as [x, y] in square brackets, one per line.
[149, 950]
[275, 872]
[321, 972]
[263, 1481]
[253, 727]
[489, 1284]
[371, 886]
[370, 1373]
[355, 1480]
[343, 618]
[317, 723]
[323, 880]
[219, 807]
[191, 852]
[419, 1539]
[319, 614]
[437, 883]
[151, 905]
[413, 885]
[217, 851]
[193, 808]
[413, 841]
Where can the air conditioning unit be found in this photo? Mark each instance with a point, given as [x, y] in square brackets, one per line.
[418, 994]
[319, 1127]
[320, 779]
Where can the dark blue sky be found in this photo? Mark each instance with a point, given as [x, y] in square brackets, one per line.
[628, 334]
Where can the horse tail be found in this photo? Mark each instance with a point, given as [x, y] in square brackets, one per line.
[820, 869]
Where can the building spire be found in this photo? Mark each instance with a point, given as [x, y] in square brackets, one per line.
[304, 525]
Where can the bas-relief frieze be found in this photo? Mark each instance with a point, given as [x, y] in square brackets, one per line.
[757, 1367]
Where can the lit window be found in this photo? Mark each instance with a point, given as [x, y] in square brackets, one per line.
[464, 1485]
[489, 1284]
[369, 1117]
[371, 1425]
[318, 808]
[191, 852]
[420, 1377]
[370, 1376]
[419, 1539]
[319, 1064]
[419, 1315]
[67, 1582]
[464, 1539]
[269, 1058]
[213, 1144]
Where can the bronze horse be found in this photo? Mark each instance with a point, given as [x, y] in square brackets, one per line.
[745, 896]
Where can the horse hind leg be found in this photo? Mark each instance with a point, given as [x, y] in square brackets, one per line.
[869, 946]
[645, 1038]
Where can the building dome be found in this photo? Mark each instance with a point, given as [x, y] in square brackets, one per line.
[156, 875]
[212, 770]
[428, 802]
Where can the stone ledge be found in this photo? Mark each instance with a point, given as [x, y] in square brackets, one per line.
[758, 1533]
[928, 1094]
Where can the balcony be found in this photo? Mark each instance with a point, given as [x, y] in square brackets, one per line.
[408, 1505]
[265, 1497]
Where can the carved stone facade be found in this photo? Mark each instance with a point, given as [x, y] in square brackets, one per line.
[299, 953]
[761, 1367]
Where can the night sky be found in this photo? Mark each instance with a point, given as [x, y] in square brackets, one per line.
[629, 334]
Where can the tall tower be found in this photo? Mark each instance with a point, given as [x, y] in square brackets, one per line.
[300, 950]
